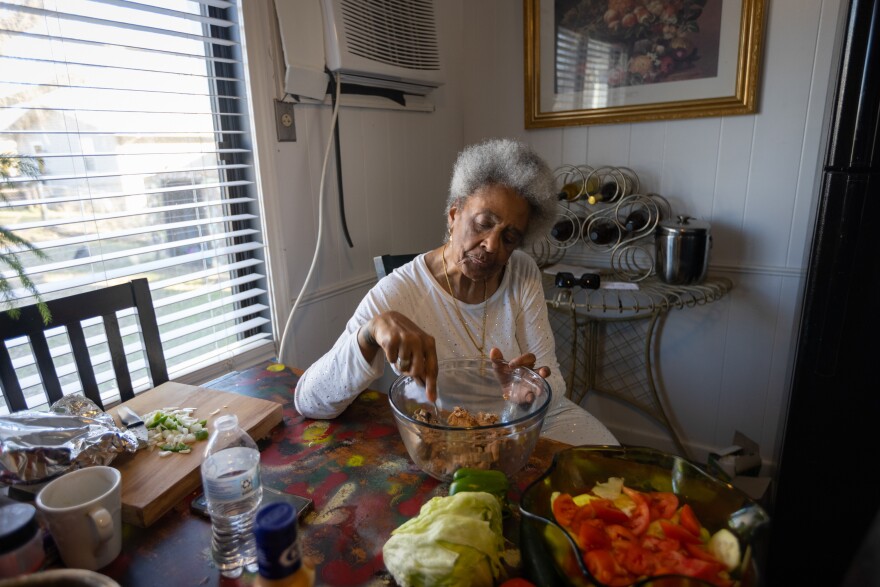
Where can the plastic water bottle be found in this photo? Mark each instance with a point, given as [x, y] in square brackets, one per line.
[231, 481]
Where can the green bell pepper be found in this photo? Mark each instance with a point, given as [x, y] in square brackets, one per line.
[488, 480]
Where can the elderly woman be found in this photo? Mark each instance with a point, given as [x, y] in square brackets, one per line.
[475, 295]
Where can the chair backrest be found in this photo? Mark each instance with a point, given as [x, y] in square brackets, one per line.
[69, 313]
[385, 264]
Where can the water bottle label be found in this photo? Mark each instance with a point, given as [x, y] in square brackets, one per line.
[234, 486]
[231, 475]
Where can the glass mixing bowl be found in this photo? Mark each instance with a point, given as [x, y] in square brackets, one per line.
[518, 397]
[551, 556]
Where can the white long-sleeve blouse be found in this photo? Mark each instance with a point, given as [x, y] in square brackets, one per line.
[516, 323]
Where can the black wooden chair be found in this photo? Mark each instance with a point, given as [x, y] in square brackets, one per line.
[70, 312]
[385, 264]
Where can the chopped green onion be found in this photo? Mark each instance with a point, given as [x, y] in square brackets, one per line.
[175, 429]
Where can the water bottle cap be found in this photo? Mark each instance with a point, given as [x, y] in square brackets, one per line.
[226, 421]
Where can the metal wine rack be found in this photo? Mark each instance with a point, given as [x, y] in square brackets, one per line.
[605, 337]
[629, 247]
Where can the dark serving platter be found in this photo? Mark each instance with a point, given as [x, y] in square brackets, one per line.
[551, 556]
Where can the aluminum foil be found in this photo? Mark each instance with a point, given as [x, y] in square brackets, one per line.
[75, 433]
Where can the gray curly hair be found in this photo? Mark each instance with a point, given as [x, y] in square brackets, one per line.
[515, 165]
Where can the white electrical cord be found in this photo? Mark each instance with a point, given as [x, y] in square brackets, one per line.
[282, 350]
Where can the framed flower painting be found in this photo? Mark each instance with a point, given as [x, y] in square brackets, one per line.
[608, 61]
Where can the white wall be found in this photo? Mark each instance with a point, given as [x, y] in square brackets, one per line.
[395, 168]
[724, 366]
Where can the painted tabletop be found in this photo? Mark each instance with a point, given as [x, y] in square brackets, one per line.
[354, 468]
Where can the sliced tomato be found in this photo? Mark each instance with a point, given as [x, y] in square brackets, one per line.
[701, 569]
[688, 520]
[606, 510]
[659, 537]
[564, 509]
[517, 582]
[604, 569]
[639, 561]
[701, 552]
[656, 544]
[619, 533]
[676, 532]
[668, 561]
[601, 565]
[583, 513]
[662, 504]
[591, 535]
[641, 517]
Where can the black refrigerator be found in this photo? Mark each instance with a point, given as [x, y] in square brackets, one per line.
[826, 497]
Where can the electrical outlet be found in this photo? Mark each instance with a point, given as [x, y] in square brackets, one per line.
[284, 122]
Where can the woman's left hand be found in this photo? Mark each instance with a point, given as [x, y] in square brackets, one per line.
[527, 360]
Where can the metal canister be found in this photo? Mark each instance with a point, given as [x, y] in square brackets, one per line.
[682, 250]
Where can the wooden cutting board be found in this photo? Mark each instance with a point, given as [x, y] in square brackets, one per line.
[152, 485]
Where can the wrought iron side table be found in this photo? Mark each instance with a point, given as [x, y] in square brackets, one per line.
[605, 338]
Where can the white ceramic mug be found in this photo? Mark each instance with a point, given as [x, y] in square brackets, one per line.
[83, 510]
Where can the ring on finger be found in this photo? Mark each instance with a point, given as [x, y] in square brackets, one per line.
[403, 364]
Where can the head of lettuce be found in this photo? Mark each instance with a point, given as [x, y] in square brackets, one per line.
[455, 541]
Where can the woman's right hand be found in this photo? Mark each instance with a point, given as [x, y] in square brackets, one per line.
[405, 345]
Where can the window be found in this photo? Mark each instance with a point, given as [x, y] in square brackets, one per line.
[135, 119]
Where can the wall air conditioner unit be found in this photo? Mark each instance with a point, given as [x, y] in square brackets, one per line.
[381, 44]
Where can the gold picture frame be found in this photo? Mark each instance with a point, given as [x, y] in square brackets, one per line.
[612, 61]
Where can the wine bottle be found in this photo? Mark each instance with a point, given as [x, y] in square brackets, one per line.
[636, 221]
[607, 193]
[604, 232]
[563, 230]
[571, 191]
[575, 190]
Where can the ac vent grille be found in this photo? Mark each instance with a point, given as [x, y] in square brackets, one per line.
[401, 33]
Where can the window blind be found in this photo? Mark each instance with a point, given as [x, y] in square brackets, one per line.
[132, 117]
[582, 64]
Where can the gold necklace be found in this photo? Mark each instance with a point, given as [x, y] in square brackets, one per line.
[480, 347]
